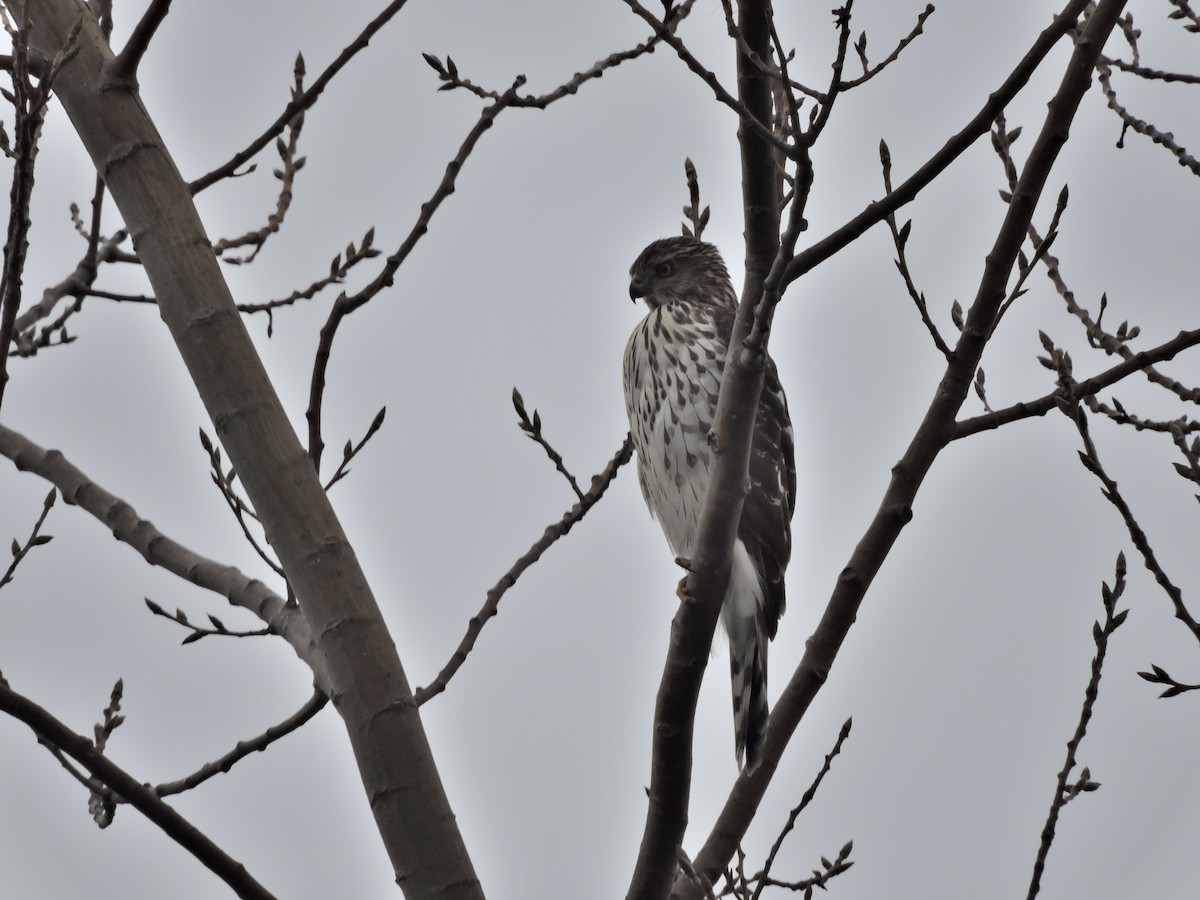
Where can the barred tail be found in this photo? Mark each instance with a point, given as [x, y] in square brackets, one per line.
[747, 658]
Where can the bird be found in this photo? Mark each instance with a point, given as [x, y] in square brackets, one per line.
[672, 370]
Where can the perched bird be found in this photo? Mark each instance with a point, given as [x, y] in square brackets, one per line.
[673, 366]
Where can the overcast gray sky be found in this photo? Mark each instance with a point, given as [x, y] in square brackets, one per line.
[966, 669]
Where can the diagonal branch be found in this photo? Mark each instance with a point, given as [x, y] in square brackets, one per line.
[878, 210]
[745, 114]
[124, 68]
[159, 550]
[301, 103]
[552, 534]
[57, 735]
[1091, 461]
[345, 305]
[1064, 793]
[449, 75]
[243, 749]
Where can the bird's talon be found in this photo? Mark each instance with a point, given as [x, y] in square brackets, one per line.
[684, 563]
[682, 593]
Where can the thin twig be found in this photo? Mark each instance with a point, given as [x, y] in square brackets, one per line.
[352, 450]
[1064, 793]
[1091, 461]
[196, 632]
[291, 165]
[241, 509]
[708, 77]
[1135, 363]
[449, 74]
[35, 539]
[551, 535]
[878, 210]
[900, 235]
[689, 871]
[805, 800]
[301, 103]
[29, 102]
[1141, 126]
[869, 73]
[244, 748]
[345, 305]
[533, 430]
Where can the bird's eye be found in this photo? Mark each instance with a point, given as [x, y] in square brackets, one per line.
[665, 268]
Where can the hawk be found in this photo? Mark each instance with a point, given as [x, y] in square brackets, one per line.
[672, 371]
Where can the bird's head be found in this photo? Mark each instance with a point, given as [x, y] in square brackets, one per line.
[680, 269]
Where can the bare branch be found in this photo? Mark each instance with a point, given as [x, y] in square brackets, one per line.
[159, 550]
[1129, 120]
[747, 117]
[551, 535]
[1151, 74]
[870, 72]
[768, 254]
[77, 284]
[244, 748]
[900, 235]
[29, 102]
[124, 67]
[806, 799]
[142, 798]
[1091, 461]
[1183, 10]
[35, 539]
[448, 72]
[689, 872]
[878, 210]
[286, 176]
[339, 268]
[1174, 688]
[241, 509]
[824, 110]
[1064, 793]
[345, 305]
[1136, 362]
[301, 103]
[196, 632]
[352, 450]
[533, 431]
[692, 212]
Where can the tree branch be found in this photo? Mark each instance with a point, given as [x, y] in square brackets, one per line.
[551, 535]
[257, 744]
[54, 733]
[124, 68]
[301, 103]
[1064, 793]
[345, 305]
[878, 210]
[159, 550]
[1142, 361]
